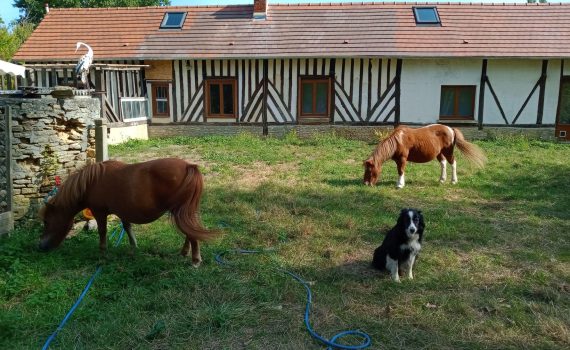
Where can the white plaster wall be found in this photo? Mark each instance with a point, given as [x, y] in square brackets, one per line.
[421, 85]
[552, 91]
[512, 81]
[122, 134]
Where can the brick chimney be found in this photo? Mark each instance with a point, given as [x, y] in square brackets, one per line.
[259, 9]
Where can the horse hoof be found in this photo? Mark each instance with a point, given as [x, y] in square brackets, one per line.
[454, 182]
[196, 264]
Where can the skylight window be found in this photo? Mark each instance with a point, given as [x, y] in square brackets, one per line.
[426, 15]
[173, 20]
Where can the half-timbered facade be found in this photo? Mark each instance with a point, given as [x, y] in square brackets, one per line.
[356, 64]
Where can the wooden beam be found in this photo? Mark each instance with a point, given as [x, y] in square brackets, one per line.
[482, 94]
[398, 91]
[264, 96]
[541, 92]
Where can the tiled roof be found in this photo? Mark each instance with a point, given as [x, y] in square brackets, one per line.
[306, 30]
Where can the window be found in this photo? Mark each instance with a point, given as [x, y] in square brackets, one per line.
[221, 98]
[173, 20]
[160, 97]
[457, 102]
[315, 97]
[134, 108]
[426, 15]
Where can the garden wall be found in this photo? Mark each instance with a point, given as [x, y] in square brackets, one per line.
[49, 137]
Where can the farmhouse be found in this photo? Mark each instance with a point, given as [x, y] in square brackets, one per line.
[349, 64]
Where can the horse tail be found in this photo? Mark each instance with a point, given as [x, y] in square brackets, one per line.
[185, 216]
[472, 152]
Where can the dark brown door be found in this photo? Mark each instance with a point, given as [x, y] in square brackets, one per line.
[563, 118]
[160, 100]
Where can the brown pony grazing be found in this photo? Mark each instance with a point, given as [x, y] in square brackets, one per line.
[136, 193]
[421, 145]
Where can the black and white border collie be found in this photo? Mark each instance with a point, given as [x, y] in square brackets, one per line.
[401, 245]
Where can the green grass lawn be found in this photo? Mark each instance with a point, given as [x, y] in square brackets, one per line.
[494, 271]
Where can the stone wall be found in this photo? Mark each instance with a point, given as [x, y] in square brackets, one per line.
[49, 137]
[364, 133]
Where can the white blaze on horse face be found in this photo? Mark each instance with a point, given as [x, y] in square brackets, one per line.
[454, 172]
[443, 176]
[401, 181]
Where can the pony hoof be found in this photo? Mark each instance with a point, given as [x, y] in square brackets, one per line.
[196, 264]
[454, 182]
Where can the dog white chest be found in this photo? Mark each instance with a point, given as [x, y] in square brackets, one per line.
[413, 246]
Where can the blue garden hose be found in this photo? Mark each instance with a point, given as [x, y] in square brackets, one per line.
[85, 290]
[332, 342]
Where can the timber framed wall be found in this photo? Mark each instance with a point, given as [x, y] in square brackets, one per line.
[364, 91]
[509, 92]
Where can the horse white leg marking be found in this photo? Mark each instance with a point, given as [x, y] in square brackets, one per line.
[392, 266]
[401, 181]
[454, 174]
[443, 176]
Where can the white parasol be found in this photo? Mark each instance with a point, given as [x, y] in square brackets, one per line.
[12, 69]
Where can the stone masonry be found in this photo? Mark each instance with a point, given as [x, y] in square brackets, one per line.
[50, 137]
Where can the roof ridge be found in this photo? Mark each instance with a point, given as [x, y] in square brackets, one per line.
[321, 4]
[143, 7]
[470, 3]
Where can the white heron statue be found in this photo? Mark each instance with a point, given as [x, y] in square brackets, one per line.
[84, 64]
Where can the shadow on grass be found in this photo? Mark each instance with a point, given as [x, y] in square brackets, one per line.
[544, 190]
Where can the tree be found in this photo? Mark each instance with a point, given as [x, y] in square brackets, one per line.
[11, 38]
[34, 10]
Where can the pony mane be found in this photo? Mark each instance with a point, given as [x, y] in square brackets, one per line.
[71, 192]
[386, 148]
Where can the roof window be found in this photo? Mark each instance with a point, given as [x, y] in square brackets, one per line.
[173, 20]
[426, 15]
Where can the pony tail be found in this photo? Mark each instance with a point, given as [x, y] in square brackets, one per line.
[472, 152]
[185, 217]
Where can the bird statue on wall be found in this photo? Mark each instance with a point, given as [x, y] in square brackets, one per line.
[84, 64]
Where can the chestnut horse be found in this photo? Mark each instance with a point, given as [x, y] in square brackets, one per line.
[136, 193]
[421, 145]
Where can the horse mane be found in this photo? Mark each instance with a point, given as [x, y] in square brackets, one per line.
[71, 192]
[386, 148]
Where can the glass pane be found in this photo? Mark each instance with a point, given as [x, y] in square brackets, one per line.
[426, 15]
[228, 99]
[214, 99]
[174, 19]
[127, 110]
[160, 92]
[307, 102]
[161, 107]
[565, 103]
[322, 98]
[447, 103]
[466, 95]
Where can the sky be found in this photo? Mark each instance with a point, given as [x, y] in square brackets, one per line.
[10, 13]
